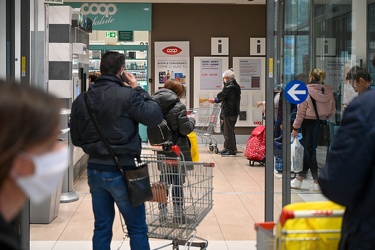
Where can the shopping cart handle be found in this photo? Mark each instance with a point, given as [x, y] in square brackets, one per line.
[176, 149]
[169, 147]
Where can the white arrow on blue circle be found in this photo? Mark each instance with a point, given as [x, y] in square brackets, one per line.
[293, 92]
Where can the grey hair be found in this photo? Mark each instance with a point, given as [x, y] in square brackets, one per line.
[229, 73]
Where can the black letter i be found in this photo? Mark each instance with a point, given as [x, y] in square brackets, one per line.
[258, 47]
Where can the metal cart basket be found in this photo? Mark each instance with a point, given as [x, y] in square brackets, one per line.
[182, 197]
[206, 118]
[303, 226]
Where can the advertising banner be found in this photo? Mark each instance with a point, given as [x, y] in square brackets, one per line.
[117, 16]
[172, 60]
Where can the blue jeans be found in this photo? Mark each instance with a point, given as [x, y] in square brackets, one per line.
[106, 188]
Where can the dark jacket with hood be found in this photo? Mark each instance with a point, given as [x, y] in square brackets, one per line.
[118, 110]
[177, 119]
[349, 175]
[9, 238]
[230, 96]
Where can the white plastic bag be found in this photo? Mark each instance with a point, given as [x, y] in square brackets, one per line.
[217, 126]
[297, 156]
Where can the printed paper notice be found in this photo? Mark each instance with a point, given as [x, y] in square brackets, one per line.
[250, 73]
[211, 77]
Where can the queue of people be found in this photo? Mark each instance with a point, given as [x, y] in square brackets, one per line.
[32, 160]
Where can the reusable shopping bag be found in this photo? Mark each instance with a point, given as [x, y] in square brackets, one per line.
[159, 192]
[193, 146]
[297, 156]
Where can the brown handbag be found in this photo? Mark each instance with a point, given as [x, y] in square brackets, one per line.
[159, 192]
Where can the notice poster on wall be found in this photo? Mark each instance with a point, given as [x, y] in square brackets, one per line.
[172, 61]
[210, 73]
[208, 80]
[250, 75]
[248, 72]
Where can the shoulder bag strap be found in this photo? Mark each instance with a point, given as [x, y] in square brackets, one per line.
[316, 111]
[104, 140]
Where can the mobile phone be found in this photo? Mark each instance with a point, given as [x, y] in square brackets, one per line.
[193, 112]
[124, 78]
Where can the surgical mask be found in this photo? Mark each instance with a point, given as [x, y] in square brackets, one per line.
[49, 169]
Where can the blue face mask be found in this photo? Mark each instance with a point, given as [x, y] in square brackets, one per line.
[49, 170]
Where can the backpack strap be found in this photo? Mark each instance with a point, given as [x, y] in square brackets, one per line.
[169, 109]
[175, 134]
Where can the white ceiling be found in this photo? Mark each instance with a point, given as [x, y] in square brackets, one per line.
[179, 1]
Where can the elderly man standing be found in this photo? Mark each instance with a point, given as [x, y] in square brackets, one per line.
[230, 97]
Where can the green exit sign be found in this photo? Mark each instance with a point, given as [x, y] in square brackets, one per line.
[111, 34]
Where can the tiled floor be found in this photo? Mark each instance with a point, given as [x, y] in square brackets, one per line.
[238, 203]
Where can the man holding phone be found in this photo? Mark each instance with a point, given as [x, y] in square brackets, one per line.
[118, 105]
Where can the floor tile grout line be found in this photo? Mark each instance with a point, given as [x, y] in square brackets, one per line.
[71, 217]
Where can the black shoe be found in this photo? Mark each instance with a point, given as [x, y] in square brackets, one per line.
[228, 153]
[223, 151]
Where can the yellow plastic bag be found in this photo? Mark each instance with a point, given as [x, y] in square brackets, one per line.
[193, 146]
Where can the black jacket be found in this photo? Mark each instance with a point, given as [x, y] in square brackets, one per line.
[118, 111]
[230, 96]
[9, 239]
[349, 176]
[177, 119]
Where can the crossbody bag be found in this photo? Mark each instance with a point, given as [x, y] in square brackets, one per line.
[324, 137]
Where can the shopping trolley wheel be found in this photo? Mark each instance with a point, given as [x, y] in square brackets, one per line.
[216, 150]
[211, 148]
[251, 163]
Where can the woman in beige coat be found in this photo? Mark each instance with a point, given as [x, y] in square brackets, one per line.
[306, 122]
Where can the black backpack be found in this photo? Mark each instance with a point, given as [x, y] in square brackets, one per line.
[161, 133]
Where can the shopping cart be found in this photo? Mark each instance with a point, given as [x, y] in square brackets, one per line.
[305, 225]
[182, 198]
[206, 119]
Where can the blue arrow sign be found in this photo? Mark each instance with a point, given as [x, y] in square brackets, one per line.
[296, 92]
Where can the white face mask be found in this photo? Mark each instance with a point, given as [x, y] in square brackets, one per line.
[49, 169]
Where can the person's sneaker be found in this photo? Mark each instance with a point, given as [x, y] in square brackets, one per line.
[315, 187]
[223, 151]
[228, 153]
[295, 183]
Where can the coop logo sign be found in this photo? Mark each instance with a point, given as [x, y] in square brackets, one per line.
[172, 50]
[99, 9]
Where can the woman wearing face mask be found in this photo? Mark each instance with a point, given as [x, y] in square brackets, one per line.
[32, 161]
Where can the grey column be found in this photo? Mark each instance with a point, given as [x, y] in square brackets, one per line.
[269, 172]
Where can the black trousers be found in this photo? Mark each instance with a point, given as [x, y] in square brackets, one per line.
[228, 131]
